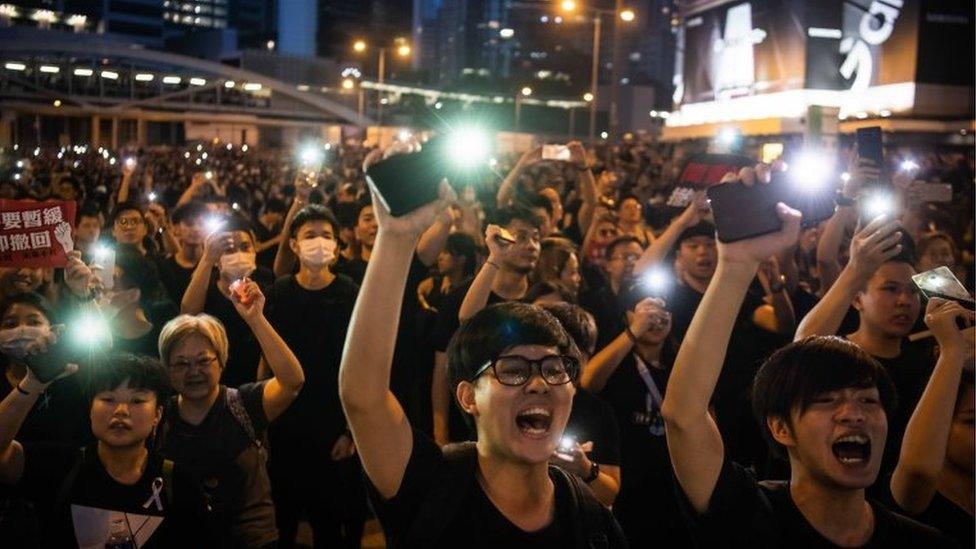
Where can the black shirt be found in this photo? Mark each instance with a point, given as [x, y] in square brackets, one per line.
[950, 519]
[175, 277]
[94, 499]
[447, 316]
[475, 521]
[353, 268]
[592, 420]
[609, 315]
[245, 353]
[745, 513]
[229, 464]
[313, 323]
[146, 345]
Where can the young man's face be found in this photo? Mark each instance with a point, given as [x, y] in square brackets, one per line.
[129, 227]
[88, 229]
[527, 246]
[960, 450]
[630, 210]
[839, 439]
[194, 369]
[366, 227]
[622, 261]
[192, 231]
[521, 423]
[890, 303]
[124, 417]
[697, 257]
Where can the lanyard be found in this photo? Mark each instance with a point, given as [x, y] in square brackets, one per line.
[654, 400]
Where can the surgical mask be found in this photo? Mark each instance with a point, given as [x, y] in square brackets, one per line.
[237, 265]
[14, 341]
[110, 304]
[316, 252]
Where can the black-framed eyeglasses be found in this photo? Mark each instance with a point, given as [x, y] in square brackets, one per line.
[516, 370]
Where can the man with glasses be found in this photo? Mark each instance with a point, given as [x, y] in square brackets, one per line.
[503, 277]
[621, 256]
[129, 226]
[511, 367]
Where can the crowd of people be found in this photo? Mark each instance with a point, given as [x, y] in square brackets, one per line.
[553, 356]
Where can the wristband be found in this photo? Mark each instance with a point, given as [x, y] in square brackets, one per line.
[594, 473]
[630, 335]
[21, 390]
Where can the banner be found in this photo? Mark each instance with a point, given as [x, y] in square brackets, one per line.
[36, 234]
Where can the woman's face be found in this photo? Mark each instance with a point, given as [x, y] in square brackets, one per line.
[938, 253]
[605, 232]
[445, 262]
[194, 369]
[124, 417]
[570, 276]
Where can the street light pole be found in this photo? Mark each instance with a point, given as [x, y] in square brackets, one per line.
[616, 71]
[518, 110]
[379, 93]
[595, 74]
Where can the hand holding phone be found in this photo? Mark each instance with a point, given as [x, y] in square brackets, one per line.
[560, 153]
[941, 283]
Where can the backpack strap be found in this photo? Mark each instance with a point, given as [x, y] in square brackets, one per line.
[236, 406]
[441, 503]
[64, 491]
[589, 524]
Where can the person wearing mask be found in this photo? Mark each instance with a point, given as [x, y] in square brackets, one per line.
[933, 480]
[590, 447]
[512, 366]
[502, 278]
[312, 467]
[217, 432]
[822, 402]
[115, 492]
[189, 228]
[230, 251]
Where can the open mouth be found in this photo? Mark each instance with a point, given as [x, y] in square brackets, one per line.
[119, 426]
[534, 422]
[852, 449]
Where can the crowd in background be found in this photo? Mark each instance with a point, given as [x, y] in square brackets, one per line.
[238, 269]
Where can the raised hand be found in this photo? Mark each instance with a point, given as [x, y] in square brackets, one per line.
[941, 316]
[78, 277]
[649, 314]
[248, 299]
[62, 233]
[696, 210]
[756, 250]
[498, 249]
[573, 459]
[876, 243]
[216, 245]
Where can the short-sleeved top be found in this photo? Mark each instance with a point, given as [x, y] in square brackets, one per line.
[475, 521]
[313, 323]
[354, 268]
[175, 277]
[746, 513]
[231, 467]
[609, 315]
[245, 353]
[592, 420]
[95, 500]
[942, 514]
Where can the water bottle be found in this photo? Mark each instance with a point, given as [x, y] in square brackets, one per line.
[119, 537]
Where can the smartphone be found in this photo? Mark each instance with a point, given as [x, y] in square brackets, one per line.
[920, 191]
[940, 282]
[505, 237]
[48, 365]
[556, 152]
[742, 212]
[405, 182]
[870, 146]
[703, 171]
[103, 265]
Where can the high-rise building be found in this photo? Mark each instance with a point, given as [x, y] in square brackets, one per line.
[208, 14]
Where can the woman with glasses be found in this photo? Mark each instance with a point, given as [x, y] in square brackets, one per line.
[511, 368]
[218, 432]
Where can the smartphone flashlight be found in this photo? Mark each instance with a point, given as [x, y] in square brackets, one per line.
[878, 204]
[908, 165]
[213, 224]
[310, 156]
[468, 147]
[152, 196]
[130, 162]
[811, 171]
[656, 280]
[208, 174]
[90, 329]
[101, 252]
[567, 443]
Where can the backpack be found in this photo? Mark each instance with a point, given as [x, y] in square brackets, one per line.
[454, 480]
[64, 491]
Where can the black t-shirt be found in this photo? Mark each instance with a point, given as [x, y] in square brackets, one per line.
[230, 466]
[592, 420]
[266, 257]
[245, 353]
[59, 415]
[313, 323]
[745, 513]
[175, 277]
[154, 516]
[609, 315]
[146, 345]
[474, 521]
[447, 316]
[941, 514]
[354, 268]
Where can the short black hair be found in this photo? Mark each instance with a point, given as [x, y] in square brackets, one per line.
[619, 241]
[235, 222]
[309, 213]
[499, 327]
[347, 213]
[795, 375]
[463, 244]
[703, 228]
[188, 212]
[536, 201]
[577, 322]
[506, 215]
[140, 272]
[88, 210]
[122, 207]
[628, 196]
[275, 205]
[142, 373]
[546, 287]
[31, 299]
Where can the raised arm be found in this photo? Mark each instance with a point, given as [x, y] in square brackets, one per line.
[435, 237]
[507, 190]
[287, 375]
[197, 181]
[376, 419]
[125, 184]
[195, 295]
[872, 246]
[440, 400]
[694, 441]
[284, 262]
[480, 289]
[603, 364]
[662, 245]
[923, 450]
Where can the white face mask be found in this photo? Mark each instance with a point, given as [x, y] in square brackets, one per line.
[317, 252]
[237, 265]
[14, 341]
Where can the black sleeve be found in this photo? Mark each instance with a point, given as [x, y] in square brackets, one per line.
[398, 513]
[606, 446]
[45, 467]
[737, 505]
[252, 396]
[447, 318]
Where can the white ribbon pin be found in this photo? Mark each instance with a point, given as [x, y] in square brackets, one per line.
[157, 487]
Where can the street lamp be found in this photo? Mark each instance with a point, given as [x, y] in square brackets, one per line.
[526, 91]
[568, 5]
[402, 49]
[587, 97]
[359, 46]
[627, 15]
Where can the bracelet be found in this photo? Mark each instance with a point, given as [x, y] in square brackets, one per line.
[630, 335]
[594, 473]
[21, 390]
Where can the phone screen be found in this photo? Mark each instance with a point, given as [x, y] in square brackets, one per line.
[870, 146]
[940, 282]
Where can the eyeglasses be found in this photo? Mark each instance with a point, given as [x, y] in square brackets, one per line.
[515, 370]
[182, 366]
[126, 221]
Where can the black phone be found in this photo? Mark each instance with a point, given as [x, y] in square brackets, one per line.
[870, 146]
[742, 212]
[406, 182]
[51, 363]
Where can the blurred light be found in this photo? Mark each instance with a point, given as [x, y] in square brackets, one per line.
[15, 66]
[45, 17]
[664, 114]
[16, 177]
[468, 147]
[198, 82]
[878, 204]
[604, 135]
[57, 102]
[653, 114]
[252, 86]
[213, 224]
[50, 69]
[359, 46]
[587, 97]
[627, 15]
[78, 22]
[403, 50]
[404, 135]
[310, 156]
[861, 115]
[37, 151]
[111, 75]
[558, 19]
[10, 11]
[84, 72]
[302, 87]
[208, 174]
[909, 165]
[186, 155]
[728, 137]
[204, 156]
[812, 170]
[568, 5]
[885, 113]
[845, 177]
[130, 162]
[235, 206]
[199, 147]
[348, 84]
[438, 105]
[656, 280]
[172, 80]
[506, 33]
[152, 196]
[111, 161]
[244, 147]
[544, 19]
[144, 77]
[270, 45]
[20, 163]
[229, 84]
[526, 91]
[90, 330]
[230, 146]
[198, 162]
